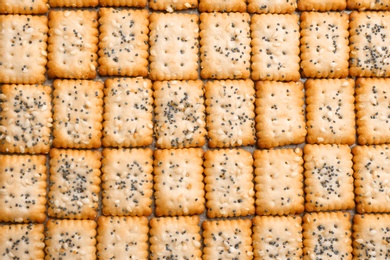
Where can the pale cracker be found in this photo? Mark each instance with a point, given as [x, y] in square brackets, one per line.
[230, 113]
[25, 119]
[135, 3]
[174, 46]
[275, 47]
[179, 114]
[277, 237]
[324, 45]
[227, 239]
[363, 5]
[23, 188]
[330, 111]
[123, 45]
[22, 242]
[73, 3]
[74, 183]
[23, 42]
[127, 182]
[327, 235]
[280, 116]
[278, 181]
[73, 44]
[328, 177]
[78, 113]
[225, 45]
[172, 5]
[175, 238]
[128, 112]
[178, 182]
[229, 183]
[122, 237]
[222, 5]
[23, 6]
[322, 5]
[272, 6]
[372, 178]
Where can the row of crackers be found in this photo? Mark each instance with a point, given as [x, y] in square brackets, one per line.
[315, 236]
[167, 46]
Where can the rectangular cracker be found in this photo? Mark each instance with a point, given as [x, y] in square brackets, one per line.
[172, 5]
[25, 119]
[134, 3]
[371, 172]
[330, 111]
[229, 183]
[371, 235]
[278, 181]
[23, 6]
[280, 116]
[324, 45]
[227, 239]
[73, 3]
[123, 45]
[22, 241]
[78, 113]
[127, 182]
[178, 182]
[174, 46]
[372, 111]
[179, 115]
[363, 5]
[225, 45]
[23, 188]
[328, 177]
[73, 44]
[322, 5]
[230, 112]
[23, 42]
[272, 6]
[327, 235]
[70, 239]
[74, 183]
[277, 237]
[128, 112]
[122, 237]
[275, 47]
[369, 41]
[175, 238]
[222, 6]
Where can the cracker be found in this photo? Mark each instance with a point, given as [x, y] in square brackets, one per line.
[78, 113]
[70, 239]
[369, 41]
[371, 235]
[23, 188]
[229, 183]
[22, 241]
[222, 6]
[272, 6]
[23, 6]
[135, 3]
[73, 44]
[23, 42]
[225, 45]
[322, 5]
[179, 114]
[73, 3]
[280, 116]
[174, 46]
[74, 183]
[371, 172]
[277, 237]
[178, 182]
[330, 111]
[122, 237]
[373, 111]
[275, 47]
[327, 235]
[25, 118]
[128, 112]
[363, 5]
[324, 45]
[175, 238]
[172, 5]
[230, 113]
[279, 186]
[127, 182]
[227, 239]
[123, 46]
[328, 177]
